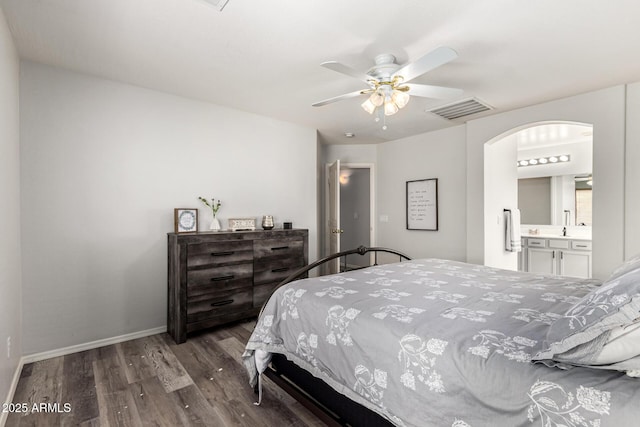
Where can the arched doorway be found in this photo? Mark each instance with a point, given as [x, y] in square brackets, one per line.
[533, 151]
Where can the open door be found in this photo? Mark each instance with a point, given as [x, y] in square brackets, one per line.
[334, 215]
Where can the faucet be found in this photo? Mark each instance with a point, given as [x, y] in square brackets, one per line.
[564, 231]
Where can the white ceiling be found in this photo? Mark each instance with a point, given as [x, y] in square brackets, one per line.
[263, 56]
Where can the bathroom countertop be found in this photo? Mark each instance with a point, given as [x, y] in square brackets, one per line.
[555, 236]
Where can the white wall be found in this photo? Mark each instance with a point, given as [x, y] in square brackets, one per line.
[10, 275]
[632, 181]
[103, 166]
[350, 153]
[605, 109]
[501, 187]
[441, 155]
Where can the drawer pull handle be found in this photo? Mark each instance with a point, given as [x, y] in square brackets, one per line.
[221, 278]
[221, 303]
[222, 253]
[279, 248]
[278, 270]
[581, 246]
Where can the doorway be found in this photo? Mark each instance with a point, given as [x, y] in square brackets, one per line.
[536, 168]
[349, 212]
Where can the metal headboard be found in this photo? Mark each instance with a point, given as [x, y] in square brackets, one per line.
[361, 250]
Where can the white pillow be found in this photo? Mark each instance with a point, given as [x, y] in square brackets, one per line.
[623, 344]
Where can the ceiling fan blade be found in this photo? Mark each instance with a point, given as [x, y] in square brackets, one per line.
[343, 69]
[436, 92]
[340, 97]
[428, 62]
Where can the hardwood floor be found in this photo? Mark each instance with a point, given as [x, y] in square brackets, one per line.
[154, 382]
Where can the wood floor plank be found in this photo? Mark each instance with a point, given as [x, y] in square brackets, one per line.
[79, 387]
[43, 386]
[196, 407]
[155, 407]
[167, 367]
[95, 422]
[115, 402]
[133, 357]
[26, 370]
[216, 383]
[249, 326]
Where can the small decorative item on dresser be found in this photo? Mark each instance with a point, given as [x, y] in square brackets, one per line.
[238, 224]
[267, 222]
[214, 206]
[185, 220]
[287, 225]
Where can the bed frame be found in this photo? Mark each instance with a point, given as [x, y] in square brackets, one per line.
[327, 404]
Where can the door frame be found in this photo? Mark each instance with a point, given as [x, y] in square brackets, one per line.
[372, 202]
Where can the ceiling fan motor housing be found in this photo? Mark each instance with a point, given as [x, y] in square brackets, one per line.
[385, 67]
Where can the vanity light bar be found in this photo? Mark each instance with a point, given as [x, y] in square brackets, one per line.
[563, 158]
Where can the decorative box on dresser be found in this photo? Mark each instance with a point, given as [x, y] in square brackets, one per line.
[219, 277]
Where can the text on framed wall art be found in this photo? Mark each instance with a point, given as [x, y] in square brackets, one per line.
[422, 204]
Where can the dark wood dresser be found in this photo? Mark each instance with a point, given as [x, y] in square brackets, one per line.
[219, 277]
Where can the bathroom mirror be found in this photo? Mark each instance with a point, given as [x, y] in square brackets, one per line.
[555, 163]
[555, 200]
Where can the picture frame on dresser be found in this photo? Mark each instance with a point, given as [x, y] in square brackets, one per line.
[185, 220]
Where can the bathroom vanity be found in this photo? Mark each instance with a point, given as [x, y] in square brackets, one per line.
[558, 255]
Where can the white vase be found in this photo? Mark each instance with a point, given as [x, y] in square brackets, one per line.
[215, 224]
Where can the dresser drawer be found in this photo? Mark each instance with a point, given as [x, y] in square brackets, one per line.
[275, 270]
[204, 255]
[219, 279]
[283, 247]
[207, 306]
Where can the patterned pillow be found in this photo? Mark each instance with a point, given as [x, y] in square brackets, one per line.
[630, 265]
[578, 336]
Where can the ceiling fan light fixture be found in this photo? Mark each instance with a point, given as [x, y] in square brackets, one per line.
[377, 98]
[390, 108]
[400, 98]
[368, 106]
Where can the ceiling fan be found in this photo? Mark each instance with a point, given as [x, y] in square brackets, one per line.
[389, 86]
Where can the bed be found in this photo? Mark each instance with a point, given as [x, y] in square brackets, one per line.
[434, 342]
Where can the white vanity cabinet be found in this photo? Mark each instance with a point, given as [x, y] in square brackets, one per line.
[564, 257]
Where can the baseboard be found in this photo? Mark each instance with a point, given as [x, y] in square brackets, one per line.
[12, 391]
[36, 357]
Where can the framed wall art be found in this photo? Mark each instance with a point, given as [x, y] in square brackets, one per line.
[185, 220]
[422, 204]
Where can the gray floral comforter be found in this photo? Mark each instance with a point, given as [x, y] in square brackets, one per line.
[441, 343]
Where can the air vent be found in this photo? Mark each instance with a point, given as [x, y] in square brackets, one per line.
[461, 109]
[218, 4]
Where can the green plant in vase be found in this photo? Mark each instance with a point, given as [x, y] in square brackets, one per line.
[214, 205]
